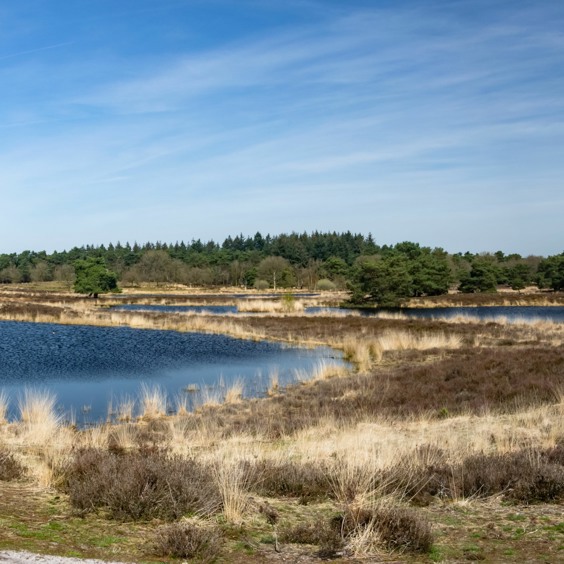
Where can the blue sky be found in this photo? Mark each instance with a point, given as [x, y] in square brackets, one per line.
[440, 122]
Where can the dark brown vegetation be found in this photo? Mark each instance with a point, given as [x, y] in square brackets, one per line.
[10, 468]
[529, 475]
[142, 485]
[465, 381]
[188, 540]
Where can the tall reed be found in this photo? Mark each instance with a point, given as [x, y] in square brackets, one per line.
[4, 402]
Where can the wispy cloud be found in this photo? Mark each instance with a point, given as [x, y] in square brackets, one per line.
[353, 118]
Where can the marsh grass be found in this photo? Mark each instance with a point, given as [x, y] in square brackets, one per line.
[234, 392]
[4, 402]
[38, 413]
[153, 401]
[287, 304]
[322, 370]
[273, 382]
[233, 480]
[125, 409]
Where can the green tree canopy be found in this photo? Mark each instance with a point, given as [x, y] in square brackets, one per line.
[93, 278]
[482, 278]
[385, 281]
[551, 272]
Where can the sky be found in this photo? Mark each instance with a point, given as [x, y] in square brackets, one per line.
[439, 122]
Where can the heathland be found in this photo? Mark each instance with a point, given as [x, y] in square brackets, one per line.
[443, 442]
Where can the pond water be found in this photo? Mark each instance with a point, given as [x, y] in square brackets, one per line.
[89, 367]
[510, 313]
[215, 309]
[484, 313]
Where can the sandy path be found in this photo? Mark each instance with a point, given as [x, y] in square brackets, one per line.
[17, 557]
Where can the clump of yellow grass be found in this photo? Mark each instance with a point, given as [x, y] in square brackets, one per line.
[37, 410]
[270, 306]
[273, 382]
[403, 340]
[153, 401]
[322, 370]
[234, 393]
[44, 443]
[364, 351]
[233, 480]
[4, 400]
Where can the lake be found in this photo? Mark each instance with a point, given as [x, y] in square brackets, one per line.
[554, 314]
[89, 367]
[509, 313]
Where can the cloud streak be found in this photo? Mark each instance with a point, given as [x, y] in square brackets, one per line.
[350, 118]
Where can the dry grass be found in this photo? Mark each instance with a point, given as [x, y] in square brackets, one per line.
[125, 409]
[365, 351]
[255, 305]
[234, 393]
[38, 413]
[233, 482]
[153, 402]
[323, 370]
[273, 382]
[4, 401]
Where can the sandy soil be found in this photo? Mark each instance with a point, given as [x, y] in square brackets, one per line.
[16, 557]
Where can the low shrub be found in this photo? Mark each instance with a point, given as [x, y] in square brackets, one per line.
[320, 532]
[325, 285]
[389, 528]
[527, 476]
[306, 481]
[395, 528]
[140, 485]
[188, 540]
[402, 529]
[10, 468]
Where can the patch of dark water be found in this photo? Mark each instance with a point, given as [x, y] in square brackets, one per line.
[529, 314]
[90, 367]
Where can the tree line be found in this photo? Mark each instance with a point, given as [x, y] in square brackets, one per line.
[316, 261]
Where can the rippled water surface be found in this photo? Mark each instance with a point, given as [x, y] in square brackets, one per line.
[511, 313]
[87, 367]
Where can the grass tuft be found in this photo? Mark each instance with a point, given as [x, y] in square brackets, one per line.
[153, 402]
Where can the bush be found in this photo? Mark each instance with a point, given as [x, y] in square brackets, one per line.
[261, 284]
[10, 468]
[396, 528]
[393, 528]
[140, 485]
[307, 481]
[525, 476]
[325, 285]
[188, 540]
[321, 532]
[401, 528]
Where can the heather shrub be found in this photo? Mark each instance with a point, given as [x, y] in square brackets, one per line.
[394, 528]
[188, 540]
[139, 485]
[527, 476]
[360, 530]
[319, 532]
[10, 468]
[306, 481]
